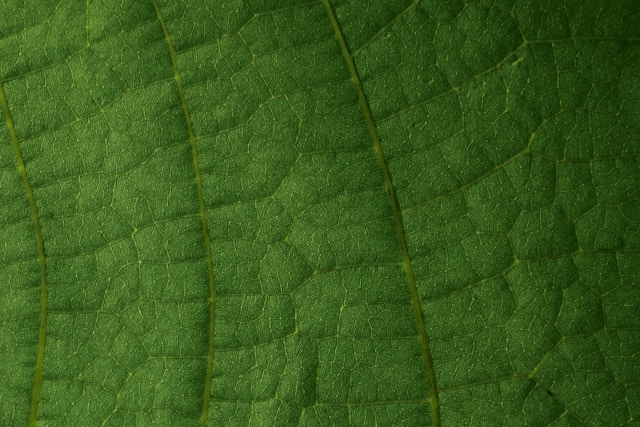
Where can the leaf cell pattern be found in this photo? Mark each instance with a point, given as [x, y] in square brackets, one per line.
[254, 212]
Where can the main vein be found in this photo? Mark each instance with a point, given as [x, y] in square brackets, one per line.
[397, 215]
[203, 216]
[37, 382]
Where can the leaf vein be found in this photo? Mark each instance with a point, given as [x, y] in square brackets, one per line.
[397, 215]
[37, 382]
[203, 214]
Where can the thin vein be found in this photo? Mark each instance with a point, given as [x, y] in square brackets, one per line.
[385, 28]
[203, 216]
[37, 382]
[397, 216]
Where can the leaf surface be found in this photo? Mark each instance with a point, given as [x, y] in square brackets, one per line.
[319, 213]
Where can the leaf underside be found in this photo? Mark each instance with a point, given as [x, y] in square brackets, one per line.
[334, 212]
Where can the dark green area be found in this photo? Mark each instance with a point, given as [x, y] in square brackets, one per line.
[510, 131]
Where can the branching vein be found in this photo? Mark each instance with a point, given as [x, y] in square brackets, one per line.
[203, 215]
[397, 215]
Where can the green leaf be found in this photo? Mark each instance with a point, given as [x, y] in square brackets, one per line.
[334, 212]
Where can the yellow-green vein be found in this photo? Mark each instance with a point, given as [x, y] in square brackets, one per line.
[203, 214]
[397, 215]
[37, 382]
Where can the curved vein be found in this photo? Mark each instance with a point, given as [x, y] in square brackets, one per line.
[203, 214]
[37, 382]
[397, 215]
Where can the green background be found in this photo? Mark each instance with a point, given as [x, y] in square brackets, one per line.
[253, 212]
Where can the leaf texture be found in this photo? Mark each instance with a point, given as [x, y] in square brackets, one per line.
[333, 212]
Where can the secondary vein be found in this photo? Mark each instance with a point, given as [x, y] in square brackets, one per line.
[203, 215]
[37, 382]
[397, 215]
